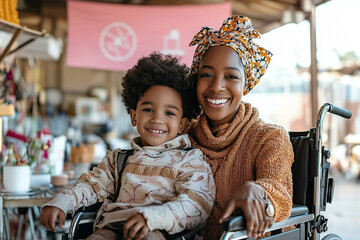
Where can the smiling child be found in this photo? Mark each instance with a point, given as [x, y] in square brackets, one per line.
[166, 185]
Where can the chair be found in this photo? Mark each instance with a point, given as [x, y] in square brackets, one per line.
[81, 225]
[312, 190]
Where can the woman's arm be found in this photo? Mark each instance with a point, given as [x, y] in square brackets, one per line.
[273, 181]
[273, 172]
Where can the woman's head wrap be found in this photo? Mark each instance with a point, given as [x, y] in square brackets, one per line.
[236, 32]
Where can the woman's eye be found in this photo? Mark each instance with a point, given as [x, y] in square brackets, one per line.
[232, 77]
[205, 75]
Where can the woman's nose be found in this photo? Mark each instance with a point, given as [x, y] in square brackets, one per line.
[218, 84]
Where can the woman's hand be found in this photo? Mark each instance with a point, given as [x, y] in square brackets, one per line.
[250, 197]
[49, 215]
[136, 227]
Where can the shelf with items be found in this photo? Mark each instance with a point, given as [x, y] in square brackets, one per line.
[10, 43]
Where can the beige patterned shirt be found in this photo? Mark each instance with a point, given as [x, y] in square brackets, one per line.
[170, 184]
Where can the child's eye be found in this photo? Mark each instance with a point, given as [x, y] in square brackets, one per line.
[147, 110]
[170, 113]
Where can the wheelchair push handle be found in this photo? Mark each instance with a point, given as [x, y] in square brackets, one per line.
[339, 111]
[328, 107]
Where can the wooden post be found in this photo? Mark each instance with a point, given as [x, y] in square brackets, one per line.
[313, 67]
[1, 136]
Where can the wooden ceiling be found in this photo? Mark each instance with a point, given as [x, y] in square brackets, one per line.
[265, 14]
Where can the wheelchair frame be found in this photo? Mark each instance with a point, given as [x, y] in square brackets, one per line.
[307, 216]
[308, 202]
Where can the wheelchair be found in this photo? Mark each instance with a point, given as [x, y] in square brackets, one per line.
[312, 190]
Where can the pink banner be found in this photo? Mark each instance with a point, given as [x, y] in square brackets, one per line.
[114, 36]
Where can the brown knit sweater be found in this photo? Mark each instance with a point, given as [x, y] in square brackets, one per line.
[245, 149]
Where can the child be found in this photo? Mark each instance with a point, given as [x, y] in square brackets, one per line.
[166, 185]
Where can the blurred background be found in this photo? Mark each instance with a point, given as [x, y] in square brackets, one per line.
[67, 60]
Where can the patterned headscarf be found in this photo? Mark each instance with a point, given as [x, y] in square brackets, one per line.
[236, 32]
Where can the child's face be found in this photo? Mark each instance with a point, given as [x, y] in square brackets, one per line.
[158, 116]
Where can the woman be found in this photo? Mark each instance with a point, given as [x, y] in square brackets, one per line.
[250, 160]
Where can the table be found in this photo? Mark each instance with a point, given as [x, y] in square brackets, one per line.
[34, 197]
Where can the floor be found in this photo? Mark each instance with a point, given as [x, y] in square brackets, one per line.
[344, 212]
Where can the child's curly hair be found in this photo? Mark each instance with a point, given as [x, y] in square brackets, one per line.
[159, 69]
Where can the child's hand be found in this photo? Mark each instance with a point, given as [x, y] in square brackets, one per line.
[49, 215]
[135, 227]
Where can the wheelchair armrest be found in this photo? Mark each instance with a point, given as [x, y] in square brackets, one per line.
[297, 210]
[88, 215]
[82, 214]
[298, 214]
[184, 235]
[75, 222]
[92, 208]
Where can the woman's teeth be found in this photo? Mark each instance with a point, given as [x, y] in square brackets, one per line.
[217, 101]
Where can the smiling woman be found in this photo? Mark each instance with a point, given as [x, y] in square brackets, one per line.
[250, 160]
[220, 84]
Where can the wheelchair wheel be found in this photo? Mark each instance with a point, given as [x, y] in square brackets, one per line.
[331, 236]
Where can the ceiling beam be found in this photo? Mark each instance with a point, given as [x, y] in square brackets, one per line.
[182, 2]
[252, 11]
[265, 14]
[54, 9]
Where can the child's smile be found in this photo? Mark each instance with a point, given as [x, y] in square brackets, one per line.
[159, 115]
[156, 131]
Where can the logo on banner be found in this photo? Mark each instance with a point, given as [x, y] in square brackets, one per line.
[171, 44]
[118, 41]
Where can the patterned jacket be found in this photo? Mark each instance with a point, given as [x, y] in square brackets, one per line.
[170, 185]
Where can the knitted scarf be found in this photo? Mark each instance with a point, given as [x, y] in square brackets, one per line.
[223, 141]
[236, 154]
[220, 145]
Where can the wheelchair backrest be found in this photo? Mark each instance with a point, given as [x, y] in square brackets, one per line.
[303, 168]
